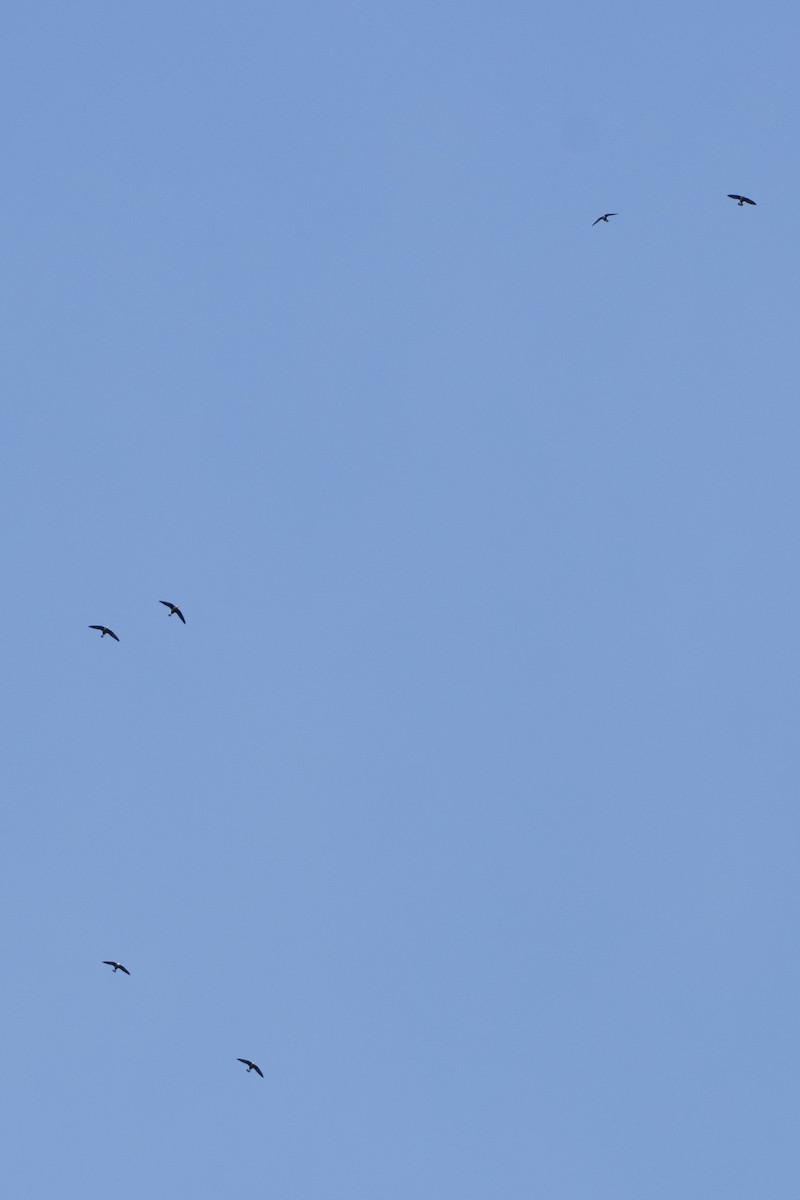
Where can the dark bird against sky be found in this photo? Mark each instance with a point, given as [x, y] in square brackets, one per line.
[173, 608]
[117, 966]
[251, 1066]
[742, 199]
[105, 630]
[605, 217]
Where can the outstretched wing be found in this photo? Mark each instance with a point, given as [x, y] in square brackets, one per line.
[100, 627]
[125, 969]
[258, 1070]
[111, 633]
[598, 219]
[178, 613]
[246, 1061]
[747, 200]
[108, 963]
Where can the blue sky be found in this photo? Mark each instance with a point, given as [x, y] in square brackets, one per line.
[465, 803]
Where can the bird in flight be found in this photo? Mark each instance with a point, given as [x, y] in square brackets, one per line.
[742, 199]
[605, 217]
[105, 630]
[117, 966]
[251, 1066]
[173, 608]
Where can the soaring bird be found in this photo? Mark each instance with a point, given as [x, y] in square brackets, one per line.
[117, 966]
[173, 608]
[105, 630]
[742, 199]
[605, 217]
[251, 1066]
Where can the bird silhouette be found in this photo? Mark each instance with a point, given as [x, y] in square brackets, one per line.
[117, 966]
[173, 608]
[742, 199]
[605, 217]
[251, 1066]
[105, 630]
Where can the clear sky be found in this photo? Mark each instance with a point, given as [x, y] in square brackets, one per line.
[466, 801]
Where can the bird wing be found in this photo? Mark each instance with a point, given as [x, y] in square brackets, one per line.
[258, 1069]
[100, 627]
[246, 1061]
[108, 963]
[612, 214]
[598, 219]
[111, 633]
[731, 196]
[125, 969]
[180, 614]
[747, 200]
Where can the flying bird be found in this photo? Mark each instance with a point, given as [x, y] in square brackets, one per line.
[105, 630]
[251, 1066]
[117, 966]
[605, 217]
[173, 608]
[742, 199]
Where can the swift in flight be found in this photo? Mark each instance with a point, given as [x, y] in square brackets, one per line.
[251, 1066]
[173, 608]
[105, 630]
